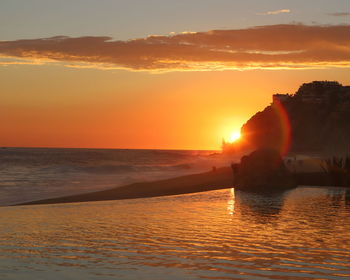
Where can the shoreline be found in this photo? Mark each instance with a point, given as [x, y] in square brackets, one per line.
[221, 178]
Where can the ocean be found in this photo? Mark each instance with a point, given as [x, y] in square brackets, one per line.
[28, 174]
[303, 233]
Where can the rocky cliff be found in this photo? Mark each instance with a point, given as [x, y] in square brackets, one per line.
[314, 119]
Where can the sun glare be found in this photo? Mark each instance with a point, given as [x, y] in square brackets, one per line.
[234, 136]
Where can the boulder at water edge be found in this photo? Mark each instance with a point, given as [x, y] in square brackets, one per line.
[263, 171]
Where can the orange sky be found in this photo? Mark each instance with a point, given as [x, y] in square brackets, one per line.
[158, 74]
[55, 106]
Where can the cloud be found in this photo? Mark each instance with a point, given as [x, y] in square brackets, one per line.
[283, 11]
[265, 47]
[339, 14]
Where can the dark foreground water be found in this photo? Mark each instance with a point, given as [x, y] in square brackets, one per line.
[226, 234]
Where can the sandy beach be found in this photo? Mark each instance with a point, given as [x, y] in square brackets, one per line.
[219, 179]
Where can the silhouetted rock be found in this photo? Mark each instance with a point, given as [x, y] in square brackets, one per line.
[263, 171]
[314, 119]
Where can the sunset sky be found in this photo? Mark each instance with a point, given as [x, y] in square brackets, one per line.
[158, 73]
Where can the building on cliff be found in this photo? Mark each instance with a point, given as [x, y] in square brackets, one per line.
[282, 98]
[317, 92]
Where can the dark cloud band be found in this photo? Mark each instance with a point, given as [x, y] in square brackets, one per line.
[274, 46]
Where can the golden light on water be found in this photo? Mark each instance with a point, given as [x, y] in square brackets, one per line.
[231, 202]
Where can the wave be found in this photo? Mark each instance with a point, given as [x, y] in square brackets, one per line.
[122, 168]
[43, 173]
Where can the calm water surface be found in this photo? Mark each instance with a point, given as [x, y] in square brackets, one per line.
[302, 234]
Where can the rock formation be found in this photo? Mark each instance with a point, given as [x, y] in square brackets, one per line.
[262, 171]
[314, 119]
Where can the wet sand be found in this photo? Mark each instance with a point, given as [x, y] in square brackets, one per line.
[213, 180]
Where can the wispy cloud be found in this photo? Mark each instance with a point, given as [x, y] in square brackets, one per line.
[283, 11]
[339, 14]
[264, 47]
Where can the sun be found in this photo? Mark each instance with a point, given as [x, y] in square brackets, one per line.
[234, 136]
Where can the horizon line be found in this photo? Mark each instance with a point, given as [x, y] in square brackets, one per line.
[100, 148]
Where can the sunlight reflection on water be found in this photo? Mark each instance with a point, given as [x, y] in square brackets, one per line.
[231, 202]
[227, 234]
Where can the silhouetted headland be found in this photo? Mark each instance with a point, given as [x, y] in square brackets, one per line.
[313, 120]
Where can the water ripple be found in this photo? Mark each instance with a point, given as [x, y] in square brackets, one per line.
[302, 234]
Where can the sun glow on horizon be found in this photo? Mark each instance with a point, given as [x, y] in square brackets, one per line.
[235, 136]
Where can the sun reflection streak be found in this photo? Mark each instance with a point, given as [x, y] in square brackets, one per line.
[231, 202]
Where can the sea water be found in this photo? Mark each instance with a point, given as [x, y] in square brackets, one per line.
[30, 174]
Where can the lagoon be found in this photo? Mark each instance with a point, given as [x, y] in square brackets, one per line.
[226, 234]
